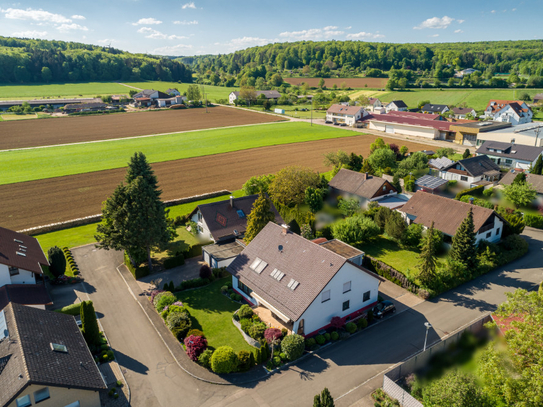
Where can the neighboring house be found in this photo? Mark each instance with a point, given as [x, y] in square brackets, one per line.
[176, 100]
[303, 284]
[428, 183]
[225, 221]
[410, 125]
[534, 179]
[222, 254]
[268, 94]
[434, 109]
[538, 98]
[148, 97]
[470, 134]
[54, 103]
[116, 99]
[345, 114]
[397, 105]
[510, 155]
[529, 134]
[440, 163]
[45, 361]
[467, 71]
[173, 92]
[448, 214]
[510, 111]
[461, 112]
[360, 185]
[375, 105]
[472, 170]
[85, 107]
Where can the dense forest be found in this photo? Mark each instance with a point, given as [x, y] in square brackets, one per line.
[351, 58]
[26, 61]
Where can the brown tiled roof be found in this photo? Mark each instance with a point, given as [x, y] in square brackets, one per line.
[356, 183]
[31, 255]
[31, 359]
[25, 294]
[350, 110]
[462, 110]
[534, 179]
[447, 214]
[415, 115]
[308, 263]
[341, 248]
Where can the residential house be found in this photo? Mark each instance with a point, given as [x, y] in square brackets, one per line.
[467, 71]
[434, 109]
[222, 254]
[375, 105]
[345, 114]
[429, 183]
[472, 171]
[447, 215]
[511, 111]
[538, 98]
[173, 92]
[148, 97]
[167, 102]
[470, 134]
[397, 105]
[359, 185]
[268, 94]
[303, 284]
[529, 134]
[411, 124]
[534, 179]
[225, 221]
[510, 155]
[45, 361]
[461, 112]
[439, 163]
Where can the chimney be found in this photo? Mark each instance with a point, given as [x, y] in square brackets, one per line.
[232, 201]
[365, 175]
[284, 229]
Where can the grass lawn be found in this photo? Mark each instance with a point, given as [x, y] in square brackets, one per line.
[181, 243]
[61, 90]
[11, 117]
[212, 313]
[390, 253]
[213, 92]
[57, 161]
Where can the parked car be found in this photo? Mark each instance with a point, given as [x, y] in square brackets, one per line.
[383, 308]
[328, 121]
[343, 124]
[336, 123]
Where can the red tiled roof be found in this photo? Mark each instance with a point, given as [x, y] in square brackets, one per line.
[21, 251]
[436, 124]
[500, 104]
[424, 116]
[455, 171]
[504, 323]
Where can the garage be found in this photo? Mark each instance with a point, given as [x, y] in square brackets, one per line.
[389, 129]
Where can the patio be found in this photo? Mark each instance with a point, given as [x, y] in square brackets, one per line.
[270, 320]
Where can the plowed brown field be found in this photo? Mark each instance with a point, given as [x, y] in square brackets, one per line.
[36, 203]
[45, 132]
[354, 83]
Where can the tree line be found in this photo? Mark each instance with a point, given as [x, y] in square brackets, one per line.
[30, 61]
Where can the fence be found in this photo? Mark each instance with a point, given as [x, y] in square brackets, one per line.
[421, 359]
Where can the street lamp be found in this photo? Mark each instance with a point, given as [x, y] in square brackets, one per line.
[428, 326]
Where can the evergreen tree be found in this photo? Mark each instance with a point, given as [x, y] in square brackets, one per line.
[466, 154]
[463, 247]
[324, 399]
[396, 182]
[538, 166]
[382, 216]
[395, 225]
[57, 261]
[366, 167]
[261, 214]
[520, 178]
[89, 324]
[313, 198]
[427, 257]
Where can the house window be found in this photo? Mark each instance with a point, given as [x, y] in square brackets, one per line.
[346, 287]
[366, 296]
[24, 401]
[301, 327]
[74, 404]
[199, 216]
[497, 231]
[242, 287]
[508, 161]
[384, 187]
[42, 394]
[325, 296]
[346, 305]
[13, 271]
[462, 178]
[488, 235]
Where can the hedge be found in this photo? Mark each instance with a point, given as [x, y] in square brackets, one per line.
[137, 272]
[469, 191]
[389, 273]
[175, 261]
[534, 221]
[73, 309]
[71, 266]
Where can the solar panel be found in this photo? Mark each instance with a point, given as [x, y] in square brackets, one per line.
[428, 181]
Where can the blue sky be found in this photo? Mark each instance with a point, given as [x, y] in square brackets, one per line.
[220, 26]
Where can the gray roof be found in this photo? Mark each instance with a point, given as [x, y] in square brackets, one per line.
[534, 179]
[21, 251]
[430, 182]
[27, 356]
[148, 92]
[357, 183]
[393, 201]
[509, 150]
[440, 163]
[526, 129]
[430, 107]
[476, 166]
[308, 263]
[25, 294]
[343, 249]
[224, 251]
[399, 103]
[270, 94]
[462, 110]
[92, 105]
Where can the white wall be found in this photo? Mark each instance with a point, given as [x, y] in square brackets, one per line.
[231, 98]
[506, 137]
[235, 286]
[406, 129]
[4, 275]
[204, 234]
[24, 277]
[319, 314]
[495, 232]
[452, 176]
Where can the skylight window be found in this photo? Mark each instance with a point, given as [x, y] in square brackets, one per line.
[59, 348]
[277, 274]
[241, 214]
[258, 265]
[293, 284]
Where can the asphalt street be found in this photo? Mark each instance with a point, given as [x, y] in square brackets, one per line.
[350, 369]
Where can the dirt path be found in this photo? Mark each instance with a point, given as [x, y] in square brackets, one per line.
[35, 203]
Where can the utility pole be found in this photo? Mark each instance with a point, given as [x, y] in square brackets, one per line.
[311, 114]
[205, 94]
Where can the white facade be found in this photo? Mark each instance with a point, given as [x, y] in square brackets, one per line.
[392, 106]
[463, 180]
[406, 129]
[513, 163]
[232, 97]
[348, 119]
[463, 115]
[16, 276]
[173, 92]
[530, 134]
[508, 114]
[491, 235]
[203, 230]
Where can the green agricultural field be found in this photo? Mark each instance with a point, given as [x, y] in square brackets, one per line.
[213, 92]
[41, 163]
[61, 90]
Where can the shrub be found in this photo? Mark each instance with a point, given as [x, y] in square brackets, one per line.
[246, 325]
[412, 235]
[195, 345]
[327, 336]
[362, 323]
[164, 299]
[154, 293]
[310, 342]
[57, 261]
[179, 323]
[205, 272]
[224, 289]
[283, 356]
[194, 283]
[246, 360]
[205, 358]
[284, 332]
[224, 360]
[236, 297]
[272, 333]
[256, 331]
[334, 335]
[350, 327]
[195, 332]
[344, 335]
[488, 192]
[245, 312]
[469, 191]
[320, 339]
[293, 346]
[269, 365]
[277, 360]
[174, 261]
[452, 182]
[337, 322]
[535, 221]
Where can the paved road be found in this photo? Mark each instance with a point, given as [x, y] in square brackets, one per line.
[350, 369]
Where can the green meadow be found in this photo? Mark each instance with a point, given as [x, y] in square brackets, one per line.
[61, 90]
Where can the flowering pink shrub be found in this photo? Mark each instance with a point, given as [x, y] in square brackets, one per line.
[272, 333]
[179, 303]
[196, 345]
[337, 322]
[154, 294]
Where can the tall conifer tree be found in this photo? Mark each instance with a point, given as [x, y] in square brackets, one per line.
[427, 257]
[463, 247]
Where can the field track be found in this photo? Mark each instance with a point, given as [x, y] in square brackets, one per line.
[354, 83]
[36, 203]
[45, 132]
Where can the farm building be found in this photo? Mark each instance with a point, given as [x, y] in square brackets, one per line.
[469, 134]
[416, 115]
[54, 103]
[302, 285]
[148, 97]
[538, 98]
[175, 100]
[472, 171]
[419, 126]
[529, 134]
[345, 114]
[361, 186]
[268, 94]
[85, 107]
[510, 111]
[173, 92]
[510, 155]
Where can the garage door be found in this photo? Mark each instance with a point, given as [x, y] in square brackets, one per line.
[389, 129]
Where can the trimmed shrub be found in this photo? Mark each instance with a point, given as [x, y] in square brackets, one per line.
[137, 272]
[320, 339]
[205, 272]
[284, 332]
[196, 332]
[362, 323]
[293, 346]
[534, 221]
[337, 322]
[334, 336]
[224, 289]
[224, 360]
[236, 297]
[327, 336]
[246, 360]
[264, 350]
[164, 299]
[205, 358]
[57, 261]
[179, 323]
[470, 191]
[73, 309]
[195, 345]
[194, 283]
[246, 325]
[350, 327]
[256, 331]
[277, 361]
[245, 312]
[310, 342]
[272, 333]
[344, 335]
[89, 324]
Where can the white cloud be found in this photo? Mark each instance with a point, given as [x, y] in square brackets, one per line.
[106, 41]
[245, 42]
[434, 35]
[189, 5]
[458, 31]
[435, 23]
[78, 17]
[157, 35]
[460, 21]
[29, 34]
[348, 28]
[35, 15]
[493, 12]
[147, 21]
[330, 27]
[70, 27]
[311, 34]
[185, 22]
[514, 9]
[172, 50]
[363, 34]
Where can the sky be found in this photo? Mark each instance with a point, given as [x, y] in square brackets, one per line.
[167, 27]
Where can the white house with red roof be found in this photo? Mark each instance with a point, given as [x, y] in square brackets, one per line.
[511, 111]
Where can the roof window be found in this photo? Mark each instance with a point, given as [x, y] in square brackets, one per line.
[59, 348]
[277, 274]
[293, 284]
[258, 265]
[241, 214]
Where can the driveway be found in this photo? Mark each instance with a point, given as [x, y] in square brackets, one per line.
[350, 369]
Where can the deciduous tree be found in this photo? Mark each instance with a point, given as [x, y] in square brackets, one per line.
[520, 194]
[193, 92]
[261, 214]
[355, 229]
[289, 185]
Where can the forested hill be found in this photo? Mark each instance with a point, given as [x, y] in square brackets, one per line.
[354, 57]
[26, 61]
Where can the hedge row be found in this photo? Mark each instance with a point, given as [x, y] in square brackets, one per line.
[391, 274]
[72, 270]
[73, 309]
[470, 191]
[534, 221]
[137, 272]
